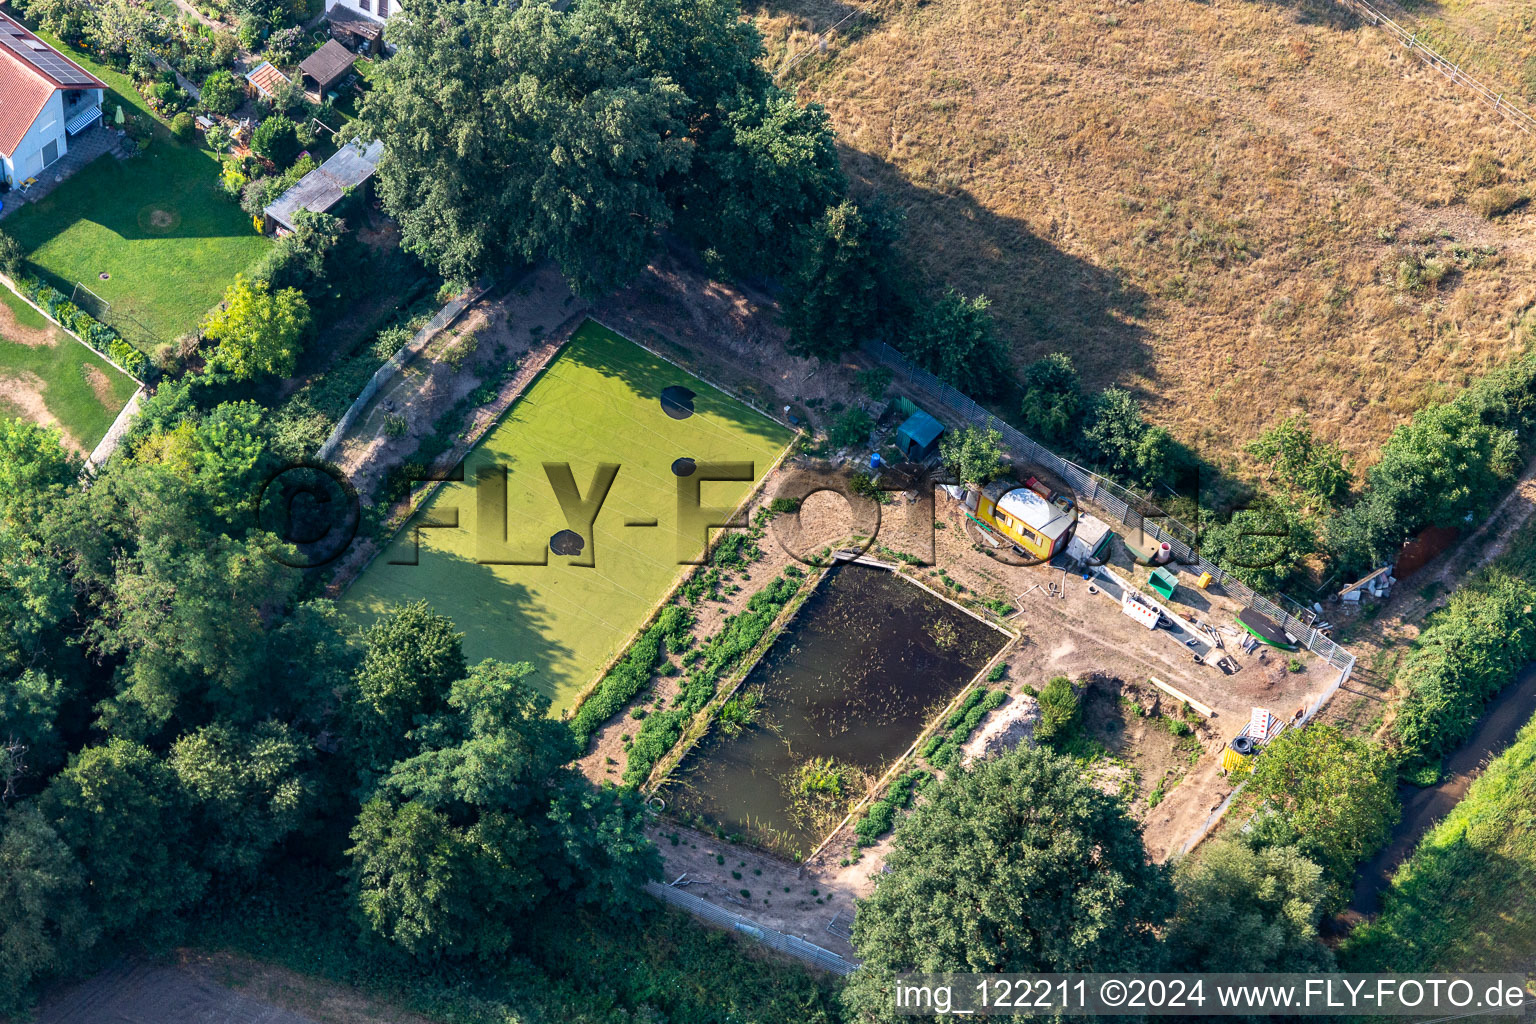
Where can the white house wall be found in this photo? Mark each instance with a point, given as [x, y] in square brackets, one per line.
[371, 14]
[27, 160]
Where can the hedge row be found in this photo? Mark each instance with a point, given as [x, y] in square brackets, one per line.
[1469, 653]
[93, 331]
[660, 732]
[633, 671]
[877, 821]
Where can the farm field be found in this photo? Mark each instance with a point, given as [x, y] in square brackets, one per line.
[1225, 207]
[598, 402]
[48, 377]
[157, 224]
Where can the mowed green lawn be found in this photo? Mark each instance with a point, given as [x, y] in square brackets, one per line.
[157, 224]
[598, 402]
[53, 378]
[1466, 899]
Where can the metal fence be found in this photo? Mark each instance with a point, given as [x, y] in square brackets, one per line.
[1129, 508]
[1501, 106]
[441, 319]
[791, 944]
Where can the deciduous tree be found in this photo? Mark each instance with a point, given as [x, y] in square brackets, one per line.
[1015, 864]
[1339, 793]
[954, 338]
[259, 331]
[122, 814]
[45, 923]
[1246, 909]
[973, 454]
[837, 290]
[249, 788]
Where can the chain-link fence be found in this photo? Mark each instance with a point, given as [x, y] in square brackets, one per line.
[1130, 509]
[791, 944]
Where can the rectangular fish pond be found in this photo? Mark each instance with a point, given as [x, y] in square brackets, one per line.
[844, 690]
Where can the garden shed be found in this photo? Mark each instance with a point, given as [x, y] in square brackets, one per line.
[918, 436]
[324, 68]
[264, 79]
[322, 188]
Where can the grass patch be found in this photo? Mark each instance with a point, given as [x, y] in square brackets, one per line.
[158, 224]
[1466, 899]
[597, 402]
[78, 388]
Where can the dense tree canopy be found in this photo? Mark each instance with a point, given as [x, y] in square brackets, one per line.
[837, 292]
[1337, 793]
[1016, 864]
[485, 823]
[1247, 909]
[515, 132]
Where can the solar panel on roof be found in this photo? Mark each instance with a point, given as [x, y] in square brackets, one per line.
[38, 54]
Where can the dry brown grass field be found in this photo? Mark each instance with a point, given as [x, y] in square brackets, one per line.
[1492, 39]
[1238, 209]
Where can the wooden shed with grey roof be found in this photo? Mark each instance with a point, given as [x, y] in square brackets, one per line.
[348, 168]
[324, 68]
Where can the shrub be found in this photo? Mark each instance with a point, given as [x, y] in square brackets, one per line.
[1058, 710]
[13, 258]
[955, 340]
[1465, 656]
[276, 139]
[1118, 439]
[221, 94]
[184, 127]
[875, 381]
[851, 428]
[621, 684]
[1496, 201]
[881, 814]
[973, 454]
[741, 632]
[1052, 398]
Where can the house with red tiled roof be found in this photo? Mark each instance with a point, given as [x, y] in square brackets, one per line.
[45, 100]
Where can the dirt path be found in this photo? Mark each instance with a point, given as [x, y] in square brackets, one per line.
[507, 327]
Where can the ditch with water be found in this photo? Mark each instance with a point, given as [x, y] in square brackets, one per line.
[842, 693]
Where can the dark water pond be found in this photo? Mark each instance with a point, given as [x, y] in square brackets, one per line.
[868, 659]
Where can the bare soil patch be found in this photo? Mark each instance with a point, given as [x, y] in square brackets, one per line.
[12, 330]
[99, 383]
[22, 392]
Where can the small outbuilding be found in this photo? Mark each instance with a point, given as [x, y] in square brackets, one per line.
[264, 79]
[1090, 541]
[918, 436]
[362, 32]
[322, 188]
[324, 68]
